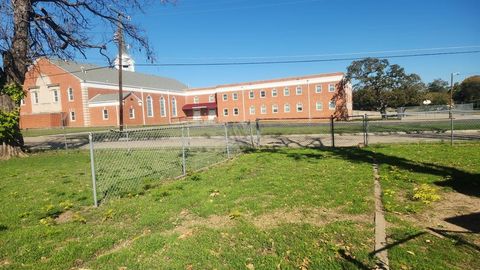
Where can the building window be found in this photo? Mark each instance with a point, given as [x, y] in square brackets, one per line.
[196, 100]
[163, 110]
[70, 94]
[331, 87]
[131, 113]
[73, 117]
[318, 89]
[55, 96]
[263, 93]
[235, 96]
[211, 98]
[22, 102]
[299, 107]
[286, 108]
[149, 106]
[35, 97]
[251, 94]
[263, 109]
[298, 91]
[174, 107]
[225, 97]
[105, 114]
[319, 106]
[274, 93]
[286, 92]
[252, 110]
[274, 108]
[331, 105]
[225, 112]
[235, 111]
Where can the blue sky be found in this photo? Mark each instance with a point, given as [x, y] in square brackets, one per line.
[247, 30]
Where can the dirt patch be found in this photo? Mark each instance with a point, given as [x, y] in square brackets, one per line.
[313, 216]
[187, 221]
[442, 214]
[64, 217]
[121, 245]
[454, 213]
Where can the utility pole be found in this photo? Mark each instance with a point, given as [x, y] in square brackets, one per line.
[120, 68]
[451, 91]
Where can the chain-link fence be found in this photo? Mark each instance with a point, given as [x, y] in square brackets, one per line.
[363, 130]
[129, 162]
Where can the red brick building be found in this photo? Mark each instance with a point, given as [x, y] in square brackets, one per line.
[81, 95]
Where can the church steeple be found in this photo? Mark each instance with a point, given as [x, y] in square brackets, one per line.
[128, 63]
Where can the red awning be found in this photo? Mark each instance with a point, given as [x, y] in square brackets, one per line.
[211, 105]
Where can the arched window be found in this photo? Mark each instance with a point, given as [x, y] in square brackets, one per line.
[174, 107]
[149, 106]
[163, 111]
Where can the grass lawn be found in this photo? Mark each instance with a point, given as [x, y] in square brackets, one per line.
[239, 214]
[271, 209]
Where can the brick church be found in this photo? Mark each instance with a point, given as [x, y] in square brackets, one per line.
[60, 93]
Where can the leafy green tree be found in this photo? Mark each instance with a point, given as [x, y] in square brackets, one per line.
[469, 91]
[378, 85]
[438, 86]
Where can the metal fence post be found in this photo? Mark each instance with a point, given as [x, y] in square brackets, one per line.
[257, 126]
[92, 165]
[451, 127]
[184, 162]
[226, 139]
[251, 134]
[366, 129]
[332, 130]
[188, 135]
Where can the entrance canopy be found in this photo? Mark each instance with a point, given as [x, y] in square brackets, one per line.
[189, 107]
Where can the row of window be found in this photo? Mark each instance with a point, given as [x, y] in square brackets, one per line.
[106, 116]
[286, 92]
[196, 99]
[163, 108]
[286, 108]
[55, 96]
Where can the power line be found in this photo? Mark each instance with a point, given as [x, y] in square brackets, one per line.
[272, 62]
[303, 61]
[325, 55]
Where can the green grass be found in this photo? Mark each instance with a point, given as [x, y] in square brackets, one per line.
[271, 209]
[404, 171]
[238, 192]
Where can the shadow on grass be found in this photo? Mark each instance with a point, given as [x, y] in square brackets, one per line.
[471, 222]
[454, 235]
[459, 180]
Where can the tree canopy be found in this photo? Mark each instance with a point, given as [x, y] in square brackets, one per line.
[469, 91]
[377, 85]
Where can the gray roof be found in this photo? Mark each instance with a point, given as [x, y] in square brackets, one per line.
[101, 98]
[107, 75]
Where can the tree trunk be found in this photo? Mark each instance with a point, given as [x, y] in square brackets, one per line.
[15, 63]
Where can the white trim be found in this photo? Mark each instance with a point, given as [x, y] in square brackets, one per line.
[278, 84]
[68, 94]
[131, 109]
[100, 104]
[103, 114]
[153, 112]
[274, 106]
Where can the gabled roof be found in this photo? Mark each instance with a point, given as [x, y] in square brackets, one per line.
[105, 98]
[107, 75]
